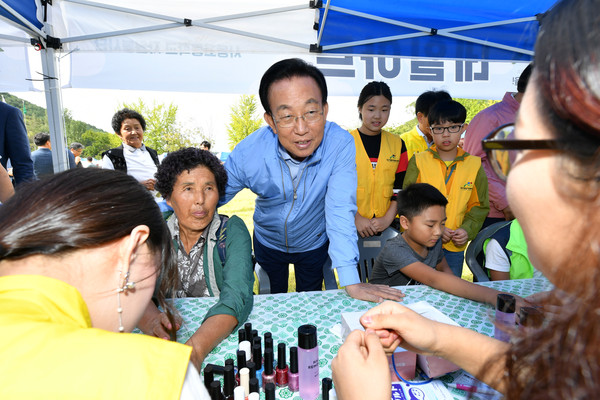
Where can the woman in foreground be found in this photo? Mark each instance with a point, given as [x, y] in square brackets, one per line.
[79, 255]
[553, 189]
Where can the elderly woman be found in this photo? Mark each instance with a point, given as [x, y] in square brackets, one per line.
[191, 180]
[554, 191]
[71, 279]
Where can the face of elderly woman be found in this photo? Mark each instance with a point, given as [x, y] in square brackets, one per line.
[194, 200]
[551, 219]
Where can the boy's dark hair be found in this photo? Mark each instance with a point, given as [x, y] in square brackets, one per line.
[122, 115]
[418, 197]
[447, 111]
[426, 100]
[206, 144]
[524, 79]
[41, 138]
[288, 69]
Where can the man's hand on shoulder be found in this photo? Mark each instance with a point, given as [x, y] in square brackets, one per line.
[374, 293]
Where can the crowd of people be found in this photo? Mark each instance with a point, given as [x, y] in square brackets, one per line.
[320, 189]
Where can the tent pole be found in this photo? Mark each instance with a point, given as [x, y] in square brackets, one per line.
[54, 109]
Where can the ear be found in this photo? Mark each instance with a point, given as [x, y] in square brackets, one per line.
[269, 120]
[130, 245]
[325, 110]
[404, 222]
[464, 128]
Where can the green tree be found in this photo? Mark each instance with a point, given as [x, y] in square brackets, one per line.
[163, 132]
[243, 120]
[97, 142]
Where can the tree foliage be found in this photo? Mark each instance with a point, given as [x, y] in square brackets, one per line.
[243, 120]
[164, 132]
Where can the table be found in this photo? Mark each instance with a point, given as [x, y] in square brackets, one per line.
[282, 314]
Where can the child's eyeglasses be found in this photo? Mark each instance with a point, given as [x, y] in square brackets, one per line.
[502, 148]
[438, 130]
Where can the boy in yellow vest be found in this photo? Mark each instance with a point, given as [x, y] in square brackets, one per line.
[455, 173]
[416, 255]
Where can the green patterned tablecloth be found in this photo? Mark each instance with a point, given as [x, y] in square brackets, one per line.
[282, 314]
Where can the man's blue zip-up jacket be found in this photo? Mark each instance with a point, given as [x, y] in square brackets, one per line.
[321, 207]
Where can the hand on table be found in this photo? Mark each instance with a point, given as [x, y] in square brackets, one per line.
[374, 293]
[398, 325]
[149, 183]
[159, 325]
[360, 368]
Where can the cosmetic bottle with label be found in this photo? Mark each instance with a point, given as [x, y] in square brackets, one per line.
[505, 316]
[308, 362]
[293, 383]
[281, 373]
[228, 382]
[268, 375]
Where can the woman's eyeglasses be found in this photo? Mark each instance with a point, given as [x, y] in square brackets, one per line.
[502, 148]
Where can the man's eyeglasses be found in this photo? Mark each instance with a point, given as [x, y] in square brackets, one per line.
[502, 148]
[439, 130]
[310, 117]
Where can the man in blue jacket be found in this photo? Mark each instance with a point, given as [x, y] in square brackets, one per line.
[302, 168]
[14, 144]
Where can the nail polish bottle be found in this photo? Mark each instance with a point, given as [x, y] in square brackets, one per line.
[257, 340]
[246, 347]
[258, 362]
[238, 393]
[228, 382]
[245, 380]
[241, 335]
[241, 359]
[505, 316]
[269, 343]
[215, 391]
[270, 391]
[308, 362]
[332, 394]
[230, 361]
[208, 376]
[254, 333]
[248, 329]
[252, 367]
[254, 386]
[268, 335]
[253, 396]
[326, 385]
[268, 375]
[281, 373]
[293, 382]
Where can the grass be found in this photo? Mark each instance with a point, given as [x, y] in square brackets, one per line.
[242, 205]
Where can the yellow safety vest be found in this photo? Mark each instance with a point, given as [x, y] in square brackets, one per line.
[458, 190]
[50, 351]
[415, 143]
[375, 186]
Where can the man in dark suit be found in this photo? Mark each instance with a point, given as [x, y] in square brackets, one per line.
[14, 144]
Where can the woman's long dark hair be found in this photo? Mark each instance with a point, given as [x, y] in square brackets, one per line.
[561, 360]
[84, 208]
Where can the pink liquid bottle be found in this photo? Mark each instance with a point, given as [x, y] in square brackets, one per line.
[505, 316]
[308, 362]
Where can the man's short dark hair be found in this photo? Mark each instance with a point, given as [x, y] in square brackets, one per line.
[122, 115]
[41, 138]
[288, 69]
[426, 100]
[524, 79]
[206, 144]
[76, 146]
[186, 160]
[418, 197]
[447, 111]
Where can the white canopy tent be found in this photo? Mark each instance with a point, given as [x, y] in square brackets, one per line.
[225, 46]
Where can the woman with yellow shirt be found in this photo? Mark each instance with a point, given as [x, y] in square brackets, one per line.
[381, 161]
[79, 255]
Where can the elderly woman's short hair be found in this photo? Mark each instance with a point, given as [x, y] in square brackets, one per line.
[186, 160]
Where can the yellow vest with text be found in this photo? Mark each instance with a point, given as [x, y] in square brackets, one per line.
[376, 186]
[458, 190]
[50, 351]
[415, 143]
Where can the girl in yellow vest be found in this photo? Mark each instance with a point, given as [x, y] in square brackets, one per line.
[381, 161]
[78, 265]
[455, 173]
